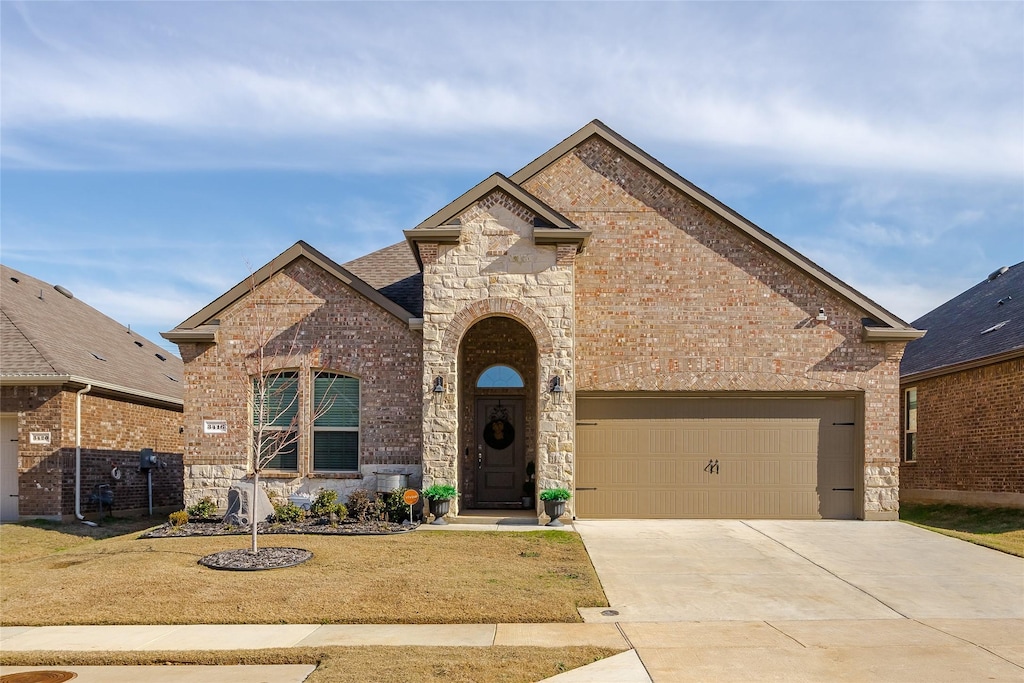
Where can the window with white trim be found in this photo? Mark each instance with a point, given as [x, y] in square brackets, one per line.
[335, 423]
[910, 425]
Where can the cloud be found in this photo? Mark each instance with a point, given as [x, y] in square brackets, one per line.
[831, 86]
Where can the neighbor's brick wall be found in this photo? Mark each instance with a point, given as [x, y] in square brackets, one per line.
[319, 323]
[39, 409]
[669, 297]
[970, 431]
[113, 431]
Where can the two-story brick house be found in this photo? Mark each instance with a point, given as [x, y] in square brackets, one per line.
[594, 314]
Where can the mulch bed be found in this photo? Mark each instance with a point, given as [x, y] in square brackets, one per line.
[314, 526]
[240, 560]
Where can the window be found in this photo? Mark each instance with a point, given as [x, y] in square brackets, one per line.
[335, 423]
[910, 426]
[276, 409]
[500, 376]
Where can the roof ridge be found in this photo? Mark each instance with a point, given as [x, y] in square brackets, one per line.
[31, 343]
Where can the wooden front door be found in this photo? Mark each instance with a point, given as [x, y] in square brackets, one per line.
[500, 439]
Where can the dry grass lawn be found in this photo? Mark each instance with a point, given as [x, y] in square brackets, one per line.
[52, 575]
[999, 528]
[359, 664]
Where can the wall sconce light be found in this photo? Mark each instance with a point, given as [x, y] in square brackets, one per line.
[439, 385]
[556, 385]
[822, 317]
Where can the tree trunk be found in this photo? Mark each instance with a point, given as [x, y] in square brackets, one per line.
[252, 508]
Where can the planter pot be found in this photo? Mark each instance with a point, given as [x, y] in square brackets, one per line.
[527, 502]
[439, 508]
[554, 509]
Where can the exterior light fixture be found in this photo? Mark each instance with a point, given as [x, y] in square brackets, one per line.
[556, 385]
[439, 385]
[822, 317]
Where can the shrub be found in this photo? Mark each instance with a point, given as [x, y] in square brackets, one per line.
[440, 492]
[178, 518]
[361, 505]
[325, 503]
[393, 506]
[203, 509]
[555, 494]
[288, 512]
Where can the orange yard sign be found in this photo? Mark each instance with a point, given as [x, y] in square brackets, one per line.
[410, 497]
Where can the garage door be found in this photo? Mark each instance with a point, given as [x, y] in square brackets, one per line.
[792, 458]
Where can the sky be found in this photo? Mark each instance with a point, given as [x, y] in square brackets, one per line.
[153, 154]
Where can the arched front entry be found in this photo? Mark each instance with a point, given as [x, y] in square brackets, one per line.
[498, 366]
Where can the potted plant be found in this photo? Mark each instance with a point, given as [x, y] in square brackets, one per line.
[529, 487]
[439, 496]
[554, 504]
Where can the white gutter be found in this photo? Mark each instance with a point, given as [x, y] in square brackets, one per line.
[52, 380]
[78, 454]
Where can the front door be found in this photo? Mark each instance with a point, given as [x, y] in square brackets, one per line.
[9, 468]
[500, 439]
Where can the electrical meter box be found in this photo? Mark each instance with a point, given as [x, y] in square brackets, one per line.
[147, 459]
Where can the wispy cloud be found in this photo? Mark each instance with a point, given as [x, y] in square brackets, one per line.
[842, 87]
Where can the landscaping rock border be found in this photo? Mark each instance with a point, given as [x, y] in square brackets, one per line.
[316, 527]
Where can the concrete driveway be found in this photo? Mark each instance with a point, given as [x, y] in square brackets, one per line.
[729, 600]
[710, 570]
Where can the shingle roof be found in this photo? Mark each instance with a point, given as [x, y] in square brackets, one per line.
[48, 335]
[985, 321]
[393, 272]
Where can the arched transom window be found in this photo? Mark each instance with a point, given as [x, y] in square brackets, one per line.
[500, 377]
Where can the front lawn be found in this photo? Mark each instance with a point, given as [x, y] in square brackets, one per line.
[999, 528]
[358, 664]
[62, 574]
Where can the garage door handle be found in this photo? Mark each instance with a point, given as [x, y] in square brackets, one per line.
[578, 488]
[842, 489]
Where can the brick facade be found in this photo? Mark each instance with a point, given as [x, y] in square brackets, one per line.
[113, 432]
[316, 322]
[970, 437]
[669, 297]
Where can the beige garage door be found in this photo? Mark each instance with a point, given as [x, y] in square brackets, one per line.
[792, 458]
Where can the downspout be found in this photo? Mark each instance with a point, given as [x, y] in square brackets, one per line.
[78, 456]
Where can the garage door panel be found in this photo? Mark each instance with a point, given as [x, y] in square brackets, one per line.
[776, 458]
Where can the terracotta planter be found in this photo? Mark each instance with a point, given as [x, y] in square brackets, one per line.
[554, 509]
[439, 508]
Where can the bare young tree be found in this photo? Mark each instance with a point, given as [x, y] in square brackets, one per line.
[276, 359]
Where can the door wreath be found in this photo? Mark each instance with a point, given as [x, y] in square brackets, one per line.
[499, 432]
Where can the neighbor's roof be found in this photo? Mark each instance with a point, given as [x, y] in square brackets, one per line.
[48, 337]
[984, 324]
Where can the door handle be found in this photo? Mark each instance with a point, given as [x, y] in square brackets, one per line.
[479, 456]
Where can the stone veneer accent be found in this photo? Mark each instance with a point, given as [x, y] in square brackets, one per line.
[321, 324]
[671, 298]
[497, 270]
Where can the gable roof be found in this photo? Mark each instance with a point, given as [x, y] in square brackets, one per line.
[393, 272]
[439, 227]
[202, 326]
[889, 326]
[982, 325]
[49, 337]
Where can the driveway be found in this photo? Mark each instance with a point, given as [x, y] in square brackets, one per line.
[731, 570]
[727, 600]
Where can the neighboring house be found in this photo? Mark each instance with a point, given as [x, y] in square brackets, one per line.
[963, 398]
[594, 314]
[63, 364]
